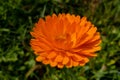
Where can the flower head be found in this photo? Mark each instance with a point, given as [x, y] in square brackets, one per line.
[65, 40]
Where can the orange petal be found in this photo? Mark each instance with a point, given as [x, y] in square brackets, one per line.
[84, 39]
[86, 59]
[51, 55]
[73, 39]
[92, 30]
[82, 63]
[44, 54]
[70, 18]
[81, 27]
[37, 49]
[85, 26]
[90, 54]
[94, 43]
[69, 64]
[35, 46]
[42, 45]
[91, 49]
[59, 58]
[95, 37]
[65, 60]
[46, 61]
[69, 54]
[85, 49]
[48, 18]
[77, 19]
[39, 58]
[60, 65]
[77, 57]
[36, 34]
[75, 63]
[53, 63]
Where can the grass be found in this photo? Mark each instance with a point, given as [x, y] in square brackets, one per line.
[17, 61]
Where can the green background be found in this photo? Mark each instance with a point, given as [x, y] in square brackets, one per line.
[17, 61]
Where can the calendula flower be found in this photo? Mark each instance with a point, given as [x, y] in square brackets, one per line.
[65, 40]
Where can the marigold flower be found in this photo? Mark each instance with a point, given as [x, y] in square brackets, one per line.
[65, 40]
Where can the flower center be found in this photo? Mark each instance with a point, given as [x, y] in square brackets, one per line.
[62, 41]
[61, 37]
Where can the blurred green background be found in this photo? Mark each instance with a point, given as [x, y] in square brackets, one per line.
[17, 61]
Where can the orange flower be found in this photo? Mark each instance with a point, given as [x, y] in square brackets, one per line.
[65, 40]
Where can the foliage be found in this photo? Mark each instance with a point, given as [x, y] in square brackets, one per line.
[17, 17]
